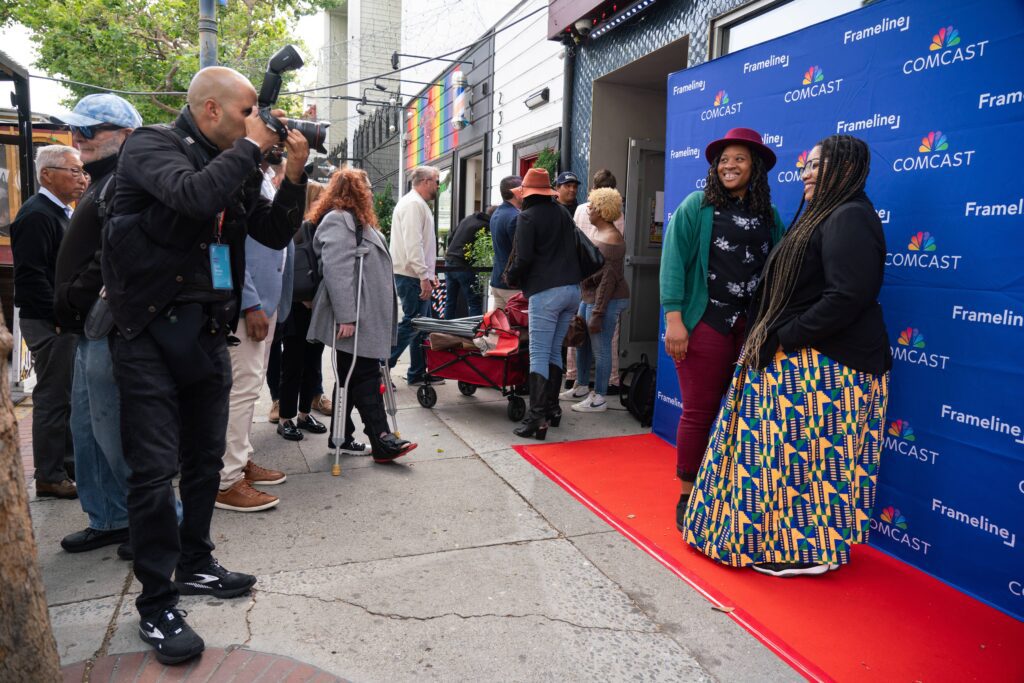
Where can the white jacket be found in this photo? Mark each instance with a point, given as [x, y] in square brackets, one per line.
[413, 244]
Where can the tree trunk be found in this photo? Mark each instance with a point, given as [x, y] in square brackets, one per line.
[28, 651]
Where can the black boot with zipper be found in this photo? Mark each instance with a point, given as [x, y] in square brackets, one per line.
[534, 425]
[553, 388]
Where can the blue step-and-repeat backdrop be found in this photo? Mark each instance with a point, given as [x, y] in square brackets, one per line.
[935, 88]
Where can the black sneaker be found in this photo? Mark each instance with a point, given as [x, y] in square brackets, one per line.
[352, 447]
[213, 580]
[684, 500]
[788, 569]
[387, 447]
[174, 640]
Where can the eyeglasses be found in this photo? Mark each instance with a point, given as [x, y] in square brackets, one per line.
[75, 172]
[812, 165]
[89, 132]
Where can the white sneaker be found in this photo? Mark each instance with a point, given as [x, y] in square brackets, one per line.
[594, 403]
[577, 392]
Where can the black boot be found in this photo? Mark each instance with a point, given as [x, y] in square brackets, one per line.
[534, 425]
[554, 387]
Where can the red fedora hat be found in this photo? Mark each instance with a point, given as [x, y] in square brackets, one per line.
[536, 181]
[744, 136]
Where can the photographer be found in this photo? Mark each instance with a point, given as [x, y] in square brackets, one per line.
[173, 262]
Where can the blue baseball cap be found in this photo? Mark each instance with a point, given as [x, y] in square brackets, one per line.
[566, 177]
[103, 108]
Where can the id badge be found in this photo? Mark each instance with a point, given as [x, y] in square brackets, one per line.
[220, 266]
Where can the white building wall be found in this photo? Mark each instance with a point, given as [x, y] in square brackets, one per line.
[525, 61]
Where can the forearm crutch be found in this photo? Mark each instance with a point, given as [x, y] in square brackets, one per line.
[390, 405]
[341, 400]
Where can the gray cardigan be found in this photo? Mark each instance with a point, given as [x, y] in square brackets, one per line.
[335, 301]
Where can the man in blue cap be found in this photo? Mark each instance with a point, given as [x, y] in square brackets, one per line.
[99, 126]
[566, 185]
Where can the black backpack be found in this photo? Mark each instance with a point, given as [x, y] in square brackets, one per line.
[307, 266]
[637, 388]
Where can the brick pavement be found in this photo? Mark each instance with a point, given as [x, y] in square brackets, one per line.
[216, 665]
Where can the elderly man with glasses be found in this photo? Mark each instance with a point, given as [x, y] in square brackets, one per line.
[36, 235]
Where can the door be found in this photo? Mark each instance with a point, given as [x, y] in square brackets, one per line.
[645, 224]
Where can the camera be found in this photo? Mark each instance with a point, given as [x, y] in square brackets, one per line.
[315, 132]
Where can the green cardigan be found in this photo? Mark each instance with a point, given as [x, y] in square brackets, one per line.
[684, 258]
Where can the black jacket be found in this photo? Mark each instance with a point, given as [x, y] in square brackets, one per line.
[36, 234]
[78, 275]
[464, 233]
[544, 248]
[834, 307]
[166, 212]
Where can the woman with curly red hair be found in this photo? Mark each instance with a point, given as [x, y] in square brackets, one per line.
[344, 208]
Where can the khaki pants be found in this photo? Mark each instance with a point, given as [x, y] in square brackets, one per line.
[248, 368]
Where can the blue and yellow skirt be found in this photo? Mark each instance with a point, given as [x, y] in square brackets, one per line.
[790, 470]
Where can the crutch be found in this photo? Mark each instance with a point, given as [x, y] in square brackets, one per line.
[390, 405]
[341, 400]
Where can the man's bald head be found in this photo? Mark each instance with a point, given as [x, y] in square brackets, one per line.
[216, 83]
[219, 99]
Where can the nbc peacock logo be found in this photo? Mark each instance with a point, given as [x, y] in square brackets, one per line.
[922, 241]
[813, 75]
[721, 97]
[911, 337]
[902, 429]
[892, 515]
[945, 38]
[910, 348]
[792, 176]
[935, 141]
[801, 160]
[722, 106]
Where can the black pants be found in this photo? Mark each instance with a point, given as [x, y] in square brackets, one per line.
[364, 394]
[274, 363]
[301, 379]
[161, 423]
[53, 453]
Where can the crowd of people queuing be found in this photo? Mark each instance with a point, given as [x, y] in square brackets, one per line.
[158, 306]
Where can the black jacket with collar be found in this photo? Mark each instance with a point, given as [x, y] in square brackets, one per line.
[834, 306]
[544, 247]
[78, 274]
[36, 234]
[166, 213]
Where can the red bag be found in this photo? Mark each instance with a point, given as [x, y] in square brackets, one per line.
[495, 337]
[518, 311]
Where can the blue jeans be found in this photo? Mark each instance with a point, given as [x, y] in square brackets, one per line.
[100, 470]
[598, 347]
[551, 310]
[408, 289]
[465, 282]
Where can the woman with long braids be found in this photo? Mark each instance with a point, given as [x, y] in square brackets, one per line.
[788, 481]
[715, 249]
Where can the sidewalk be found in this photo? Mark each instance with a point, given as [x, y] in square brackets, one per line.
[461, 563]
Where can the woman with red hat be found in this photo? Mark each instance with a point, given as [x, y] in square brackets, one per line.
[544, 265]
[714, 250]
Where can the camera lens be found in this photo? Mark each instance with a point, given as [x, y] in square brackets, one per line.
[315, 132]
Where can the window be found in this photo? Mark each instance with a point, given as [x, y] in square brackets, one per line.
[762, 20]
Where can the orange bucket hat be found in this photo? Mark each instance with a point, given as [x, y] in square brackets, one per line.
[536, 181]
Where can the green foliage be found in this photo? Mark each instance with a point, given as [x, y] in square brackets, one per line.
[548, 160]
[480, 252]
[383, 206]
[153, 45]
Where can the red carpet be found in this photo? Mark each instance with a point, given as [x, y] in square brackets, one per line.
[876, 619]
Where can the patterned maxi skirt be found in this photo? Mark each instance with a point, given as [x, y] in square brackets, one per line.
[790, 470]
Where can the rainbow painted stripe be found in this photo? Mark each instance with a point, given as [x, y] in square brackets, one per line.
[428, 128]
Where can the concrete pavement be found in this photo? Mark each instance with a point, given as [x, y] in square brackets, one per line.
[463, 562]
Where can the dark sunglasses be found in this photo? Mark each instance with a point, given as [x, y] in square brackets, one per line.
[89, 132]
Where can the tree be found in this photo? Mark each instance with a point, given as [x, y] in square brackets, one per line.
[548, 160]
[384, 206]
[153, 45]
[28, 651]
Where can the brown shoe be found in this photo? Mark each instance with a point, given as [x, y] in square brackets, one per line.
[255, 474]
[242, 497]
[323, 405]
[65, 489]
[275, 413]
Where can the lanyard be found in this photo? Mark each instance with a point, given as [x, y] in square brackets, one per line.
[220, 227]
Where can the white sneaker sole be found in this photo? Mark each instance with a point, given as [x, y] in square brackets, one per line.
[816, 570]
[274, 482]
[590, 409]
[254, 508]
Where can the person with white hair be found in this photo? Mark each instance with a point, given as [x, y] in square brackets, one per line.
[36, 235]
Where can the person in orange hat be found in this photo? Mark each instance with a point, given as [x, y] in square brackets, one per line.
[715, 248]
[544, 265]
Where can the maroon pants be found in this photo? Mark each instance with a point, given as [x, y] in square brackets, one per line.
[704, 377]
